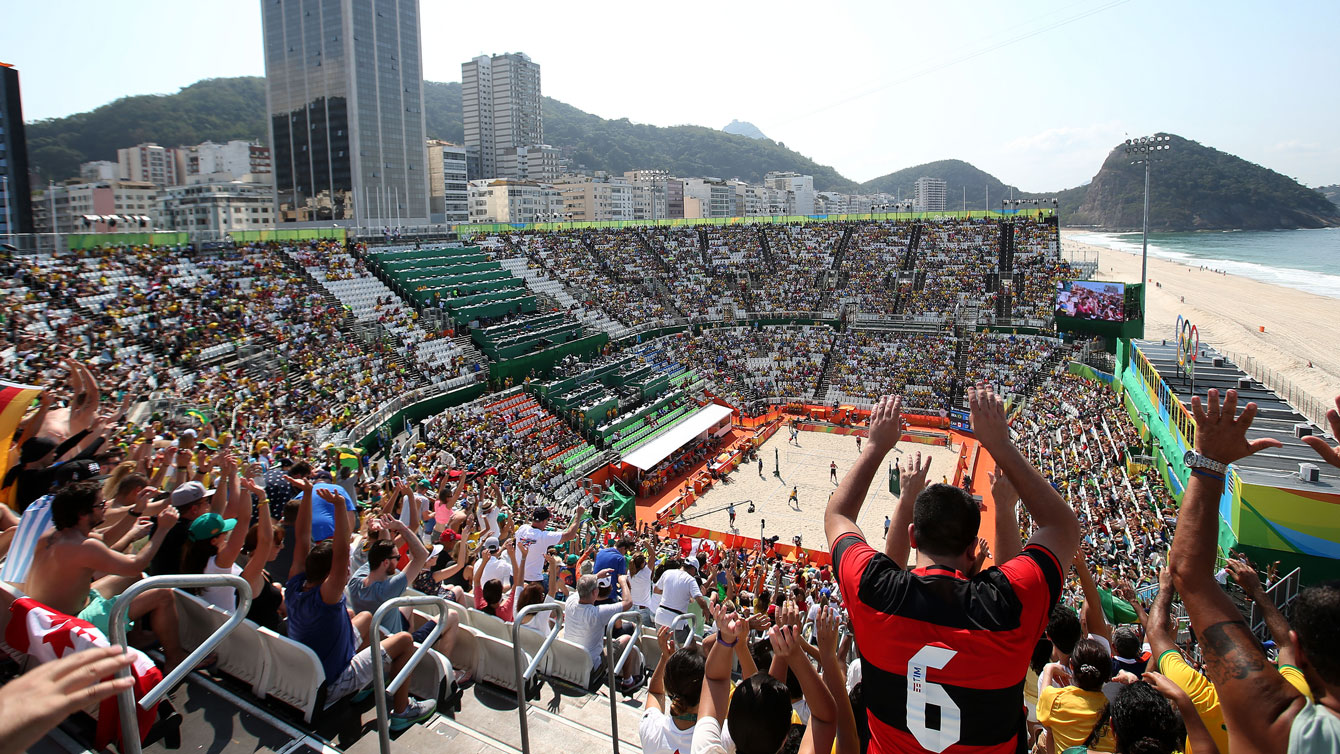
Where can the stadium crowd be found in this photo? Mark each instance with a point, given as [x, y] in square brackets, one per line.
[1064, 643]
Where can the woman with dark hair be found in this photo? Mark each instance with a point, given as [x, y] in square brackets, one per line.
[679, 679]
[215, 543]
[1077, 714]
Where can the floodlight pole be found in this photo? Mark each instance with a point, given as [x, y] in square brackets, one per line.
[1143, 150]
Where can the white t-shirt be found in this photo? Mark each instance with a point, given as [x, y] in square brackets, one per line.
[222, 597]
[710, 736]
[584, 625]
[498, 568]
[540, 541]
[658, 734]
[640, 585]
[677, 589]
[488, 523]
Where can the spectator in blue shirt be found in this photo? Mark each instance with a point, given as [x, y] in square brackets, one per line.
[615, 560]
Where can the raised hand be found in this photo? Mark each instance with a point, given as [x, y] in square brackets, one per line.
[1001, 490]
[785, 641]
[988, 417]
[729, 625]
[1165, 686]
[1246, 576]
[167, 518]
[1221, 434]
[666, 640]
[1328, 454]
[330, 496]
[301, 485]
[826, 631]
[912, 475]
[886, 423]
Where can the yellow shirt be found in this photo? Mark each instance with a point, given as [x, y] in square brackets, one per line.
[1203, 696]
[1071, 713]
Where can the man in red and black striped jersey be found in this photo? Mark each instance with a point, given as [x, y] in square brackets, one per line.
[944, 651]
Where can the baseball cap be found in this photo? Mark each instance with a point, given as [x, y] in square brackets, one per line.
[188, 433]
[541, 514]
[78, 471]
[189, 493]
[209, 526]
[491, 543]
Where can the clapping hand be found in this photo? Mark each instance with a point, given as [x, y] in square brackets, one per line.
[826, 631]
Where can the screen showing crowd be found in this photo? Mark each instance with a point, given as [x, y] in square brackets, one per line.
[1085, 299]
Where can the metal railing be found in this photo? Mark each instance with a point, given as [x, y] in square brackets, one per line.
[125, 699]
[616, 667]
[1308, 405]
[1282, 593]
[524, 675]
[379, 687]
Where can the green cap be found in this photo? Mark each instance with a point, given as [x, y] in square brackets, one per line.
[210, 526]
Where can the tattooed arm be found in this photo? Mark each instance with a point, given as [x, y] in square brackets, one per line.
[1255, 697]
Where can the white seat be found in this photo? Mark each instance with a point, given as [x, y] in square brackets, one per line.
[299, 675]
[241, 655]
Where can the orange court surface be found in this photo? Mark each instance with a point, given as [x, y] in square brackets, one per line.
[806, 467]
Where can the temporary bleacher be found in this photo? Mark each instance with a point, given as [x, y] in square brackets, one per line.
[463, 281]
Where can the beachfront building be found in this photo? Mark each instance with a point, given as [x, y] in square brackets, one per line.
[929, 195]
[597, 199]
[99, 207]
[98, 170]
[507, 201]
[239, 160]
[448, 183]
[500, 100]
[151, 163]
[218, 207]
[801, 201]
[344, 81]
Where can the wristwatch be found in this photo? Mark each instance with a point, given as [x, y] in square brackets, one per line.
[1194, 460]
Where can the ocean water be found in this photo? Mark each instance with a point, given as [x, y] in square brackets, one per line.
[1308, 260]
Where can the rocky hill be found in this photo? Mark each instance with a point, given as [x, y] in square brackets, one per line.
[1196, 187]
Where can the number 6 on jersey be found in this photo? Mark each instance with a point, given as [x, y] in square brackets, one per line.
[921, 692]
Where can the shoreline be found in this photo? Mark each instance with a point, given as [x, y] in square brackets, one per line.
[1299, 341]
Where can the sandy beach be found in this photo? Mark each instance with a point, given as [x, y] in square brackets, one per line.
[1228, 311]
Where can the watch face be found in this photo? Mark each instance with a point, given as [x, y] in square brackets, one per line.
[1189, 458]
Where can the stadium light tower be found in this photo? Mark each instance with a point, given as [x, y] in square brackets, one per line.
[1145, 150]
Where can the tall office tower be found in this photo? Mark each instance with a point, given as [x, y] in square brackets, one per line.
[16, 210]
[344, 83]
[500, 96]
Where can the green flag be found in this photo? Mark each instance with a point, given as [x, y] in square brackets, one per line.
[1117, 610]
[893, 480]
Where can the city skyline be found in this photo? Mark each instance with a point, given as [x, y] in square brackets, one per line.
[1118, 68]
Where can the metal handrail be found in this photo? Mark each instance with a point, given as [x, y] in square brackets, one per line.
[125, 699]
[379, 687]
[525, 675]
[614, 667]
[685, 618]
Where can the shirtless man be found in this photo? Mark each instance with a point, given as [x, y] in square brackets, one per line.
[68, 557]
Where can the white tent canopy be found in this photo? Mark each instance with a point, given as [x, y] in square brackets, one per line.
[661, 447]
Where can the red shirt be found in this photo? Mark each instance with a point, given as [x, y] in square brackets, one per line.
[943, 657]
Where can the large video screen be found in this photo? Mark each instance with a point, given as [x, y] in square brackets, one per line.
[1087, 299]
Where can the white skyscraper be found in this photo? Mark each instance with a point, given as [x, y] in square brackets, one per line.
[930, 195]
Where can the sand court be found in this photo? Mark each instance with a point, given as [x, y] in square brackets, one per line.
[807, 469]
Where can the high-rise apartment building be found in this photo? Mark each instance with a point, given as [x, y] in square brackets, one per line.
[209, 162]
[151, 163]
[16, 211]
[929, 195]
[500, 97]
[448, 183]
[801, 201]
[344, 84]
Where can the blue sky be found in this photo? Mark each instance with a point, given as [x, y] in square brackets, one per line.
[1035, 92]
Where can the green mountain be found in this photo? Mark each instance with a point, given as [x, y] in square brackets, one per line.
[958, 177]
[1195, 187]
[212, 109]
[234, 108]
